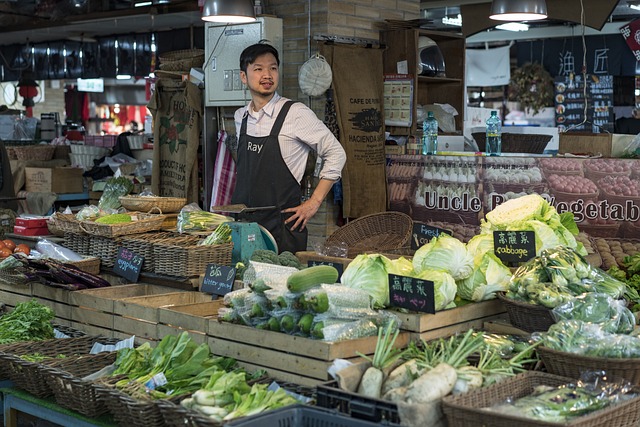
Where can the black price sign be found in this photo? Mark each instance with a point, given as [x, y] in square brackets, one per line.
[128, 264]
[338, 266]
[218, 279]
[422, 233]
[411, 293]
[514, 246]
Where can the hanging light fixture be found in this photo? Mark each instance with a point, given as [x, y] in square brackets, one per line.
[518, 10]
[230, 11]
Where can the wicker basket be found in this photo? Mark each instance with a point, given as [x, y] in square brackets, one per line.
[34, 152]
[183, 257]
[30, 377]
[75, 393]
[142, 244]
[376, 232]
[177, 55]
[183, 64]
[516, 142]
[573, 365]
[466, 409]
[525, 316]
[563, 196]
[128, 411]
[104, 248]
[143, 223]
[65, 222]
[145, 204]
[619, 200]
[88, 264]
[79, 243]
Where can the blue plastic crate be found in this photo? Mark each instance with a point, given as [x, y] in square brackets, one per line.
[301, 416]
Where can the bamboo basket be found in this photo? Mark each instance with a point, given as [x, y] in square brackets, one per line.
[142, 244]
[65, 223]
[34, 152]
[147, 203]
[183, 257]
[105, 248]
[528, 317]
[143, 223]
[88, 264]
[79, 243]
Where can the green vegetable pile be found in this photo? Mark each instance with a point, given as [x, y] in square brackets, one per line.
[199, 220]
[285, 258]
[630, 274]
[29, 321]
[113, 190]
[557, 276]
[612, 315]
[222, 234]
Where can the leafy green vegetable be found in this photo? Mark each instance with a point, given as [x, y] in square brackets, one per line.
[368, 273]
[444, 253]
[444, 287]
[29, 321]
[113, 190]
[612, 315]
[489, 276]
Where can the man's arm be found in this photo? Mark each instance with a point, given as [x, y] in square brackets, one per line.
[305, 211]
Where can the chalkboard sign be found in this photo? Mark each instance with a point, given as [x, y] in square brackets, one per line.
[514, 247]
[128, 264]
[218, 279]
[570, 102]
[338, 266]
[422, 233]
[411, 293]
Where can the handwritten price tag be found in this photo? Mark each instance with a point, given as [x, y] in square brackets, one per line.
[128, 264]
[411, 293]
[422, 233]
[514, 247]
[218, 279]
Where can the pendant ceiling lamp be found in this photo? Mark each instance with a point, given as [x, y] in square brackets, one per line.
[518, 10]
[229, 11]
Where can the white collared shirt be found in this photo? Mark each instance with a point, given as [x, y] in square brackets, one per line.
[301, 132]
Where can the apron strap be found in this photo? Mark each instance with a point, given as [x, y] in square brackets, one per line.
[277, 126]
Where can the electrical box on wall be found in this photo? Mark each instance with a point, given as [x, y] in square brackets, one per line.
[223, 46]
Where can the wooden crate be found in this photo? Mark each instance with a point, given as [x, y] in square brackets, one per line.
[140, 316]
[11, 294]
[306, 256]
[287, 357]
[55, 298]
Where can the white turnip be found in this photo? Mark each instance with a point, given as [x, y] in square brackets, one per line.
[432, 385]
[401, 376]
[469, 378]
[371, 383]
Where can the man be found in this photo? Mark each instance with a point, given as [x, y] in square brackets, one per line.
[275, 136]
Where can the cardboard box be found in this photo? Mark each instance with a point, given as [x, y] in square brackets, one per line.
[24, 231]
[607, 144]
[54, 180]
[31, 222]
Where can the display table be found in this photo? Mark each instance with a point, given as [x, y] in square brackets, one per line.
[15, 401]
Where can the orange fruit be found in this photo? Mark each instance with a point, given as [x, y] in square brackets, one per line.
[9, 244]
[22, 248]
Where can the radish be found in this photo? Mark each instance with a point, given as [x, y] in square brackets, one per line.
[371, 383]
[432, 385]
[401, 376]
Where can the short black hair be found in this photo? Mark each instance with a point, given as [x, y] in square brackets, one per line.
[249, 55]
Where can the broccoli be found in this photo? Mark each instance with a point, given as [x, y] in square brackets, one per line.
[288, 259]
[266, 256]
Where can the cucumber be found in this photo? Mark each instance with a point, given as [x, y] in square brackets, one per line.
[259, 286]
[305, 322]
[308, 278]
[317, 331]
[274, 324]
[288, 323]
[319, 303]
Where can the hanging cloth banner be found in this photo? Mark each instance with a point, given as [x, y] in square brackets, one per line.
[224, 174]
[488, 67]
[358, 94]
[631, 35]
[177, 111]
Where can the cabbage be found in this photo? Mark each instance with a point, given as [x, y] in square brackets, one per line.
[400, 266]
[490, 276]
[444, 253]
[479, 245]
[444, 287]
[368, 273]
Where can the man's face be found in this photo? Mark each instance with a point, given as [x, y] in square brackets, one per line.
[262, 76]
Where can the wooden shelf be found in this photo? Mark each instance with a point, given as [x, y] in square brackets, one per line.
[437, 80]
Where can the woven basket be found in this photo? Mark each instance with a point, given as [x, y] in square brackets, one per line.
[619, 200]
[142, 244]
[182, 257]
[145, 222]
[516, 142]
[573, 365]
[65, 222]
[177, 55]
[128, 411]
[376, 232]
[30, 377]
[75, 393]
[183, 64]
[563, 196]
[145, 204]
[525, 316]
[79, 243]
[104, 248]
[466, 409]
[34, 152]
[89, 264]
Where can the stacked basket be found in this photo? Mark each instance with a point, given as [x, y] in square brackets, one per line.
[177, 63]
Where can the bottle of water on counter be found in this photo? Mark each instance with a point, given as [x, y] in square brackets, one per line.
[430, 138]
[494, 135]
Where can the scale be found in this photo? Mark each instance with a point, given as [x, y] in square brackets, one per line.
[247, 236]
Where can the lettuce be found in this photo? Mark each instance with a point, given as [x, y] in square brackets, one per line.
[368, 273]
[444, 287]
[489, 276]
[444, 253]
[479, 245]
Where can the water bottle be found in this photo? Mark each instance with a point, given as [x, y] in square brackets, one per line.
[430, 138]
[494, 131]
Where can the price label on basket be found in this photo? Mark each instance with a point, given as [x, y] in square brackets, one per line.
[514, 247]
[422, 233]
[412, 293]
[337, 265]
[128, 264]
[218, 279]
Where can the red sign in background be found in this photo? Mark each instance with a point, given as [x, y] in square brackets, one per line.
[631, 34]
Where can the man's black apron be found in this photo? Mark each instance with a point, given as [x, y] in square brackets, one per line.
[264, 179]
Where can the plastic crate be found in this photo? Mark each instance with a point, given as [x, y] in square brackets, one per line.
[301, 416]
[329, 396]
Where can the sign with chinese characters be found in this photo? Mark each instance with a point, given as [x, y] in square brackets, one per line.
[218, 279]
[128, 264]
[411, 293]
[422, 233]
[572, 97]
[514, 247]
[338, 266]
[631, 35]
[398, 100]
